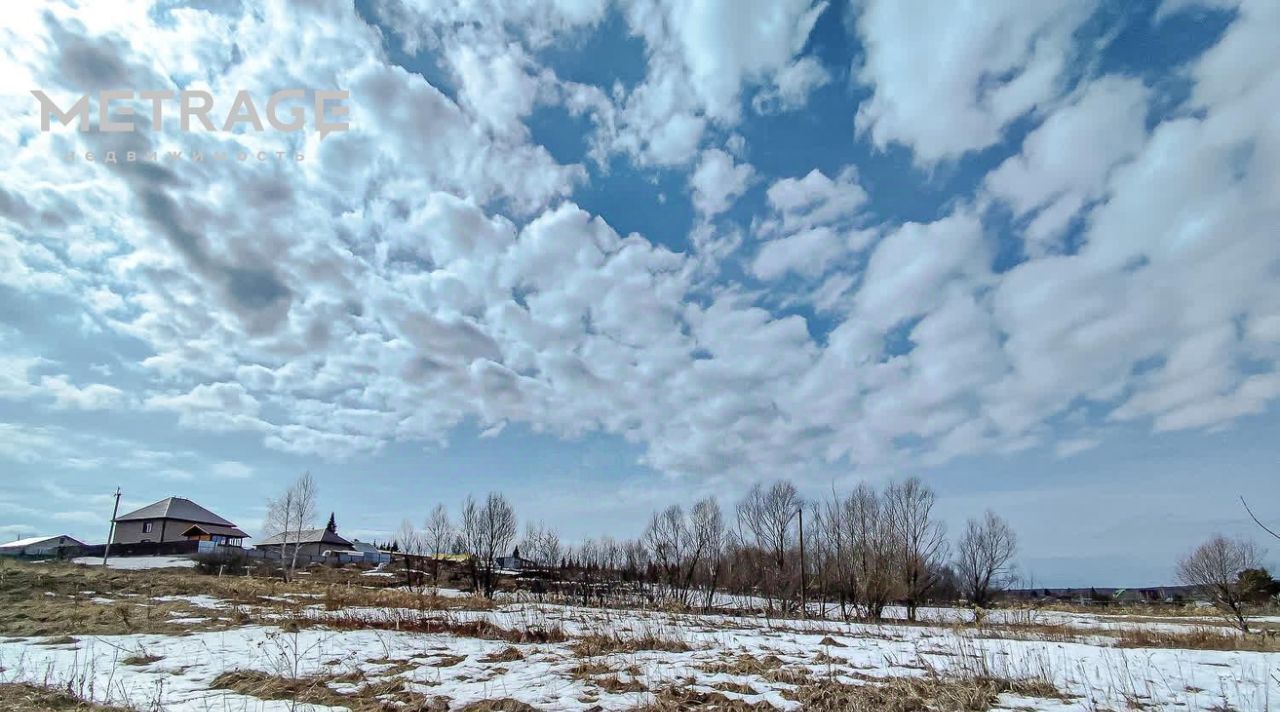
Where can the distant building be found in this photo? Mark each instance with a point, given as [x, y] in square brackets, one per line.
[311, 542]
[38, 546]
[514, 562]
[175, 519]
[371, 553]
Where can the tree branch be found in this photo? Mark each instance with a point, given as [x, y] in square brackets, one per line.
[1265, 528]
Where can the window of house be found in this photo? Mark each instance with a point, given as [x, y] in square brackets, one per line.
[146, 526]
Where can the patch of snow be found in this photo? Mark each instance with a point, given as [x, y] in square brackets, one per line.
[137, 562]
[198, 600]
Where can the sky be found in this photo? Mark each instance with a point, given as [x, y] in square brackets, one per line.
[607, 256]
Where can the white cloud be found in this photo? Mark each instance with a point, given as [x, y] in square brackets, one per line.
[1065, 161]
[499, 85]
[718, 182]
[947, 79]
[700, 58]
[726, 43]
[812, 225]
[95, 396]
[217, 407]
[1148, 313]
[80, 516]
[362, 298]
[16, 376]
[808, 253]
[908, 268]
[792, 86]
[814, 200]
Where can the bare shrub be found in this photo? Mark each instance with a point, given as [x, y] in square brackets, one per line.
[1214, 568]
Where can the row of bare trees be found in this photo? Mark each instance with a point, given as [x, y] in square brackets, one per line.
[866, 549]
[858, 551]
[485, 530]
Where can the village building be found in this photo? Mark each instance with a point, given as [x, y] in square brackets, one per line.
[39, 546]
[175, 519]
[309, 542]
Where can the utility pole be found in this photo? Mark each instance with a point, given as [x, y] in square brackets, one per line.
[804, 598]
[111, 534]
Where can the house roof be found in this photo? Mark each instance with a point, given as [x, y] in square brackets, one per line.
[33, 540]
[176, 508]
[215, 529]
[308, 536]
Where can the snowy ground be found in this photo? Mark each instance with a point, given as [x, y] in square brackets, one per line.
[131, 563]
[738, 657]
[178, 669]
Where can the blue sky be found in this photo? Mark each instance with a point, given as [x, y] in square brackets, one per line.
[607, 256]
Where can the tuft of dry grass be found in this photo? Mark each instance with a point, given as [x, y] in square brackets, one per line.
[589, 668]
[21, 697]
[768, 667]
[505, 704]
[916, 694]
[605, 642]
[508, 654]
[676, 699]
[378, 696]
[140, 659]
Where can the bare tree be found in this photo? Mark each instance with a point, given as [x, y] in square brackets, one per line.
[765, 519]
[288, 515]
[494, 529]
[983, 558]
[470, 540]
[541, 544]
[667, 537]
[920, 540]
[833, 549]
[870, 545]
[1214, 568]
[707, 524]
[438, 535]
[411, 543]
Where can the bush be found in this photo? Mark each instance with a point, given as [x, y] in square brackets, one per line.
[221, 563]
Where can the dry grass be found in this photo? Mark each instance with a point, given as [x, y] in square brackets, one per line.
[769, 667]
[1201, 637]
[589, 668]
[334, 588]
[140, 660]
[1196, 639]
[606, 641]
[440, 623]
[675, 699]
[62, 615]
[501, 705]
[378, 696]
[508, 654]
[916, 694]
[21, 697]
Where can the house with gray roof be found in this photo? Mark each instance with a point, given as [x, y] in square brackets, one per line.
[175, 519]
[311, 542]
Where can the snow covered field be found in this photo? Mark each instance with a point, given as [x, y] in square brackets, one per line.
[723, 657]
[241, 651]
